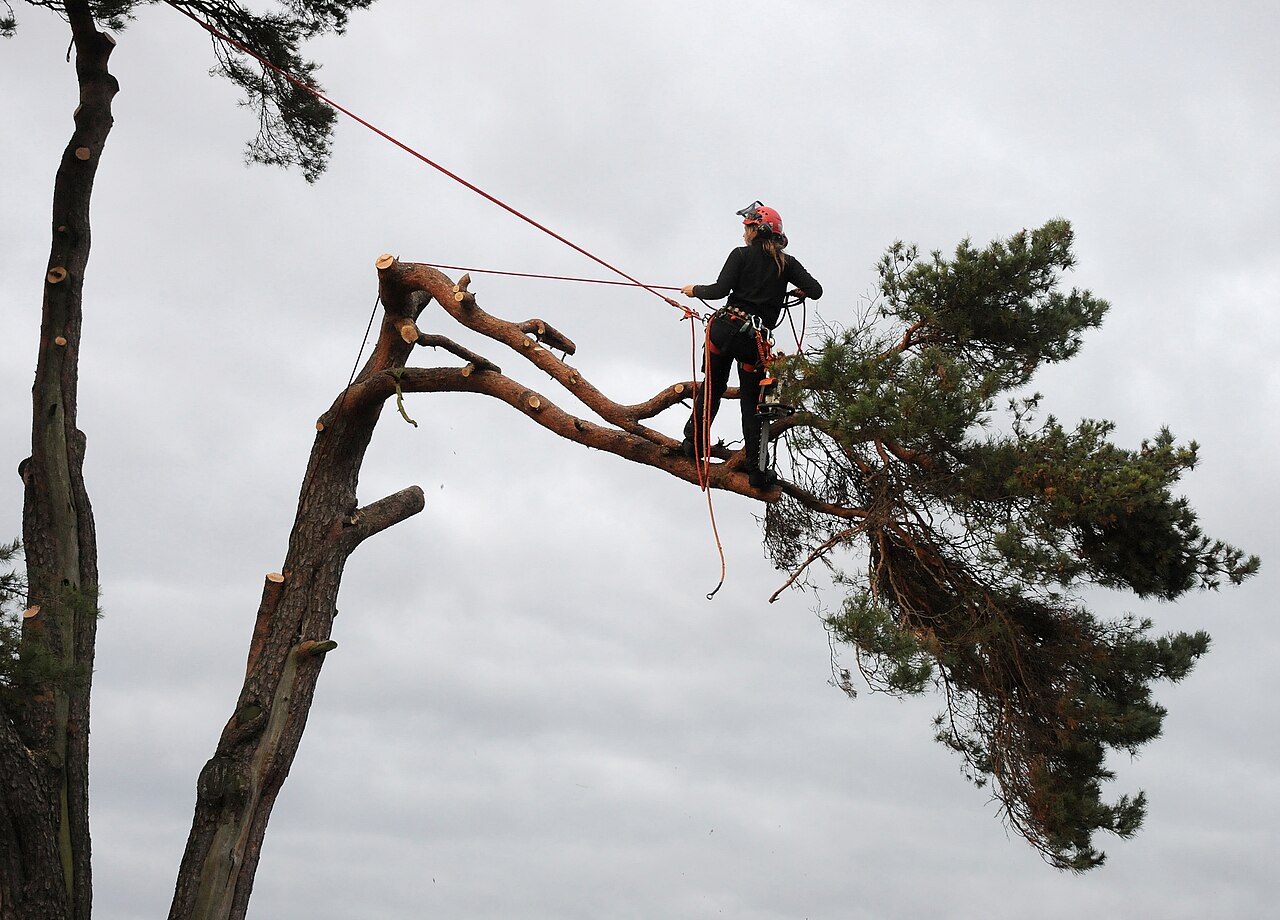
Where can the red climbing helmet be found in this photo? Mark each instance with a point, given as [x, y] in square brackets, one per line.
[762, 217]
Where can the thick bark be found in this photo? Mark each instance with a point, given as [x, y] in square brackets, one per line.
[238, 786]
[291, 635]
[624, 432]
[32, 886]
[45, 746]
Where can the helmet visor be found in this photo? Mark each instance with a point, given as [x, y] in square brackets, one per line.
[751, 211]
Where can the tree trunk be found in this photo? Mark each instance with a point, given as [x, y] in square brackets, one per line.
[238, 786]
[44, 747]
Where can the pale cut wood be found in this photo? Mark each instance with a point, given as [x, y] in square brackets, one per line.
[83, 153]
[386, 260]
[56, 275]
[461, 292]
[409, 331]
[31, 611]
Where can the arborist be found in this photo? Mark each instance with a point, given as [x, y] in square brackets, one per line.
[754, 279]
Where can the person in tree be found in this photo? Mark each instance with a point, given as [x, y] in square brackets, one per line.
[754, 279]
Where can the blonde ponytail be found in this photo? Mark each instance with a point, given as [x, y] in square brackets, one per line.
[774, 246]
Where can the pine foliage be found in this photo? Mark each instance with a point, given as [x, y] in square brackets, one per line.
[294, 127]
[982, 530]
[12, 590]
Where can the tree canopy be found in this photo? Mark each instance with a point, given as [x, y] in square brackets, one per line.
[983, 531]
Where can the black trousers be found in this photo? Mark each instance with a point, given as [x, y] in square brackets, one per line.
[728, 342]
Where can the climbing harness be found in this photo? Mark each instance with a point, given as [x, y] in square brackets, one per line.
[768, 407]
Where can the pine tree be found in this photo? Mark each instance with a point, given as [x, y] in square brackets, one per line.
[45, 865]
[982, 531]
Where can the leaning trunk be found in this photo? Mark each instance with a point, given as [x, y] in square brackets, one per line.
[44, 747]
[238, 786]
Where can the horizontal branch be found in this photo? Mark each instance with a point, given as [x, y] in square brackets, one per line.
[387, 512]
[729, 478]
[399, 287]
[397, 281]
[439, 341]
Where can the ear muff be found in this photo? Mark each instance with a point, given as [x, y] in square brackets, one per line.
[758, 215]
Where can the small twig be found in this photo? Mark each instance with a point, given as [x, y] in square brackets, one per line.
[817, 554]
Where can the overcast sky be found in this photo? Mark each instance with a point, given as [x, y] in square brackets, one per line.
[534, 712]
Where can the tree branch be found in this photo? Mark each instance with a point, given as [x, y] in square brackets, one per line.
[387, 512]
[439, 341]
[398, 280]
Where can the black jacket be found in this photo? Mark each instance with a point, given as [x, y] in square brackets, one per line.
[751, 281]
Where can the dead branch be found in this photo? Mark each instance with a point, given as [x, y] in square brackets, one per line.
[397, 281]
[439, 341]
[819, 552]
[548, 336]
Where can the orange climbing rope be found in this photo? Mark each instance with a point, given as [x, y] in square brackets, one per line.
[702, 430]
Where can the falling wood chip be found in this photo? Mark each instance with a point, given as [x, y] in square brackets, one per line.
[30, 611]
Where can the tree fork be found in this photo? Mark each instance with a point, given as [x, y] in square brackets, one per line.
[290, 641]
[291, 635]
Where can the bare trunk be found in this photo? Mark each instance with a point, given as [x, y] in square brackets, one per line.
[44, 748]
[238, 786]
[291, 636]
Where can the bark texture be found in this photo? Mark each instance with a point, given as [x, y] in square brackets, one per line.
[44, 746]
[291, 635]
[238, 786]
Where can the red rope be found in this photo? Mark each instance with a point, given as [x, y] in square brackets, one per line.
[430, 162]
[704, 471]
[494, 271]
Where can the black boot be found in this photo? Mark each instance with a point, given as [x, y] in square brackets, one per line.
[762, 479]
